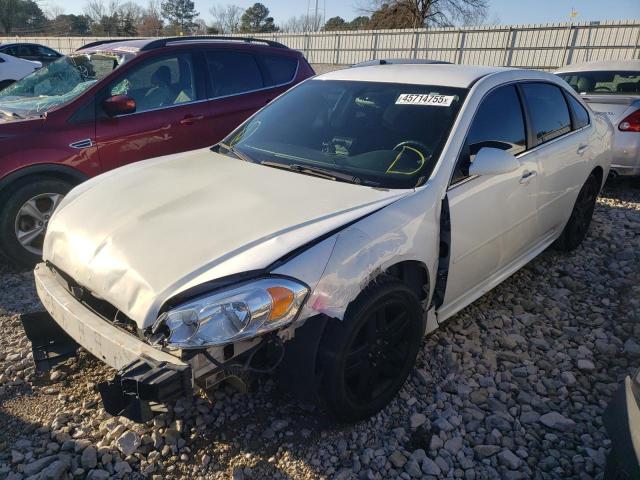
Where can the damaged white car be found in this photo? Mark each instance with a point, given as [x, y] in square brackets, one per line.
[323, 238]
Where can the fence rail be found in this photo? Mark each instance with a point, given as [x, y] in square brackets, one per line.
[541, 46]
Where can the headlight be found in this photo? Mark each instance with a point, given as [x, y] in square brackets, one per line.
[234, 314]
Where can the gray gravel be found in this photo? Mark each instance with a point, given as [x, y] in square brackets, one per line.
[512, 387]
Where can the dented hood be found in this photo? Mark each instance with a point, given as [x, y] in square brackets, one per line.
[139, 235]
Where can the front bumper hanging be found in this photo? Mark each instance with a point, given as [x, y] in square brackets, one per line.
[50, 343]
[141, 389]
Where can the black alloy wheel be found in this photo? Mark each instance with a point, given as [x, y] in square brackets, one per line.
[367, 357]
[578, 225]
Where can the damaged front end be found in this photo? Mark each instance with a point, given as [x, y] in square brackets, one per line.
[223, 336]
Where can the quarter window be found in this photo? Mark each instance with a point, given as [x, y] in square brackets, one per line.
[548, 111]
[281, 69]
[232, 73]
[498, 123]
[580, 115]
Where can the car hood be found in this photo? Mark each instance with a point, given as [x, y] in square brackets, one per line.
[141, 234]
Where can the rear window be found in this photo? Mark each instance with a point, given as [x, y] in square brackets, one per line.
[232, 73]
[548, 109]
[606, 82]
[280, 69]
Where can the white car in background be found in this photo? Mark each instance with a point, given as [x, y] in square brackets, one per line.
[326, 235]
[13, 69]
[613, 88]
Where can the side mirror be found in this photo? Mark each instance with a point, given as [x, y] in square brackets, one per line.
[493, 161]
[119, 105]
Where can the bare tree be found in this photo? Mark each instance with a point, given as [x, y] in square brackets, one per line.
[302, 23]
[151, 23]
[53, 11]
[226, 18]
[430, 12]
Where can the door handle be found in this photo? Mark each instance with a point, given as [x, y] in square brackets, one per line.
[527, 176]
[191, 119]
[581, 149]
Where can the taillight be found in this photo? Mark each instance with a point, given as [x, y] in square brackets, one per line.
[630, 123]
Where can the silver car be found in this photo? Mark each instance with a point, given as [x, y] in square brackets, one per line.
[613, 88]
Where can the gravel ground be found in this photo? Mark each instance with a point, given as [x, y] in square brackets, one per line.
[512, 387]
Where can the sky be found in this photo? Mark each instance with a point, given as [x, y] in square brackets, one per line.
[506, 11]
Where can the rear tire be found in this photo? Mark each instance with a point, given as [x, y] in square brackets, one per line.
[42, 194]
[366, 358]
[578, 225]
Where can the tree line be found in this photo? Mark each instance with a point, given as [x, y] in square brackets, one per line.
[177, 17]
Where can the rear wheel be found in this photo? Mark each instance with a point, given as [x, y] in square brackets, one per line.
[578, 225]
[24, 217]
[366, 358]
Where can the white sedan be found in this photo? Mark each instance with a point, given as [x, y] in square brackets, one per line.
[325, 236]
[613, 89]
[13, 68]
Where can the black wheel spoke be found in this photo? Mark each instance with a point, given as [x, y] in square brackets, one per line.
[357, 361]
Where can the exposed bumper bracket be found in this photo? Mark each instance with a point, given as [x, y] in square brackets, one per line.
[140, 390]
[50, 343]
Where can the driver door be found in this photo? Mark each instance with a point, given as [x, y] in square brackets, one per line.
[169, 116]
[493, 217]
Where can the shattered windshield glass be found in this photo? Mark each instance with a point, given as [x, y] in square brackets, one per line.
[57, 83]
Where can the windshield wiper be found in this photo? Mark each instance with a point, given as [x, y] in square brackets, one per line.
[236, 153]
[7, 113]
[315, 171]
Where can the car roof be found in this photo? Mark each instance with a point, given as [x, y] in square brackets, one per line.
[461, 76]
[602, 65]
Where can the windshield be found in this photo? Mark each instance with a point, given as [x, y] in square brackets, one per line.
[606, 82]
[382, 134]
[57, 83]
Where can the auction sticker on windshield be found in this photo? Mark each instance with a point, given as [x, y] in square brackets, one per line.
[425, 99]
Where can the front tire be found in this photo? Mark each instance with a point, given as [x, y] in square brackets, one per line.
[578, 225]
[24, 215]
[367, 357]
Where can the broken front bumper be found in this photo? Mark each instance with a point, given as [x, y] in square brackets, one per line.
[146, 378]
[113, 346]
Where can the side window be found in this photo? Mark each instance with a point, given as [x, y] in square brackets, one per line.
[46, 52]
[281, 69]
[548, 111]
[158, 83]
[498, 123]
[580, 115]
[232, 73]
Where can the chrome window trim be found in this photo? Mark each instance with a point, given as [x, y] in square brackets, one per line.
[175, 105]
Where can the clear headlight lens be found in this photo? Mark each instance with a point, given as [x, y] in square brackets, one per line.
[230, 315]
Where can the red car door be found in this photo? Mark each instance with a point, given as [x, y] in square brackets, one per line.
[170, 114]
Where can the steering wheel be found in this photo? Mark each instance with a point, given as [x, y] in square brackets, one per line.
[426, 151]
[604, 89]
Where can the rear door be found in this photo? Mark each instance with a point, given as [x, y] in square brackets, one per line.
[241, 82]
[170, 111]
[561, 149]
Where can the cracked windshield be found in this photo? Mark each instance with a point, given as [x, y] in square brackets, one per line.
[58, 83]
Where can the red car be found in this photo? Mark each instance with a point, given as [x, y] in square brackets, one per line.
[115, 102]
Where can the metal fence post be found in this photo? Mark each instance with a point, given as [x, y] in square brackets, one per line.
[461, 38]
[374, 52]
[416, 40]
[567, 55]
